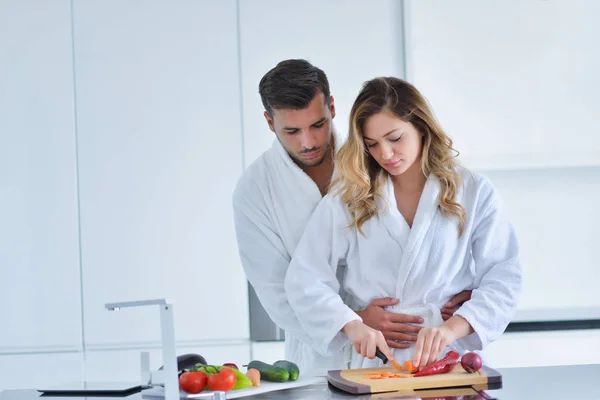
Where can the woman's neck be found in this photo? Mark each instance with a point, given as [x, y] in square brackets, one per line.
[412, 180]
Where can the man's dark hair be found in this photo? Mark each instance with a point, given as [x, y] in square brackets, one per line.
[292, 84]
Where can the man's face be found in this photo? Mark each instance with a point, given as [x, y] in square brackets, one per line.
[305, 134]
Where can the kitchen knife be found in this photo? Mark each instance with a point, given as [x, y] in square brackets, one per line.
[380, 355]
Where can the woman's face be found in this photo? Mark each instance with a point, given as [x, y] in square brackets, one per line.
[393, 143]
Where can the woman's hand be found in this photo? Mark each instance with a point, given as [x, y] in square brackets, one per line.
[366, 340]
[431, 342]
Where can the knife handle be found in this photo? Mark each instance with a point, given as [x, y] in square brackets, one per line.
[380, 355]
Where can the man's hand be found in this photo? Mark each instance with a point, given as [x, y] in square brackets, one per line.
[454, 304]
[397, 329]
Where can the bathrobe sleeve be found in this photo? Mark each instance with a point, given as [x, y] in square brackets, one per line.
[311, 284]
[497, 272]
[264, 258]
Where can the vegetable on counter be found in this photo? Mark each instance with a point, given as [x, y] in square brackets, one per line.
[441, 366]
[410, 367]
[471, 362]
[269, 372]
[435, 370]
[291, 368]
[223, 380]
[254, 376]
[200, 376]
[192, 382]
[385, 375]
[241, 380]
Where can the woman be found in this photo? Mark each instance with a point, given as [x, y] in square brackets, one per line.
[409, 223]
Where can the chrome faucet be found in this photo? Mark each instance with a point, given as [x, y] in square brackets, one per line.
[167, 337]
[169, 372]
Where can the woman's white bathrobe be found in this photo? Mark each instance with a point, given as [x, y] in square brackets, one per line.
[423, 267]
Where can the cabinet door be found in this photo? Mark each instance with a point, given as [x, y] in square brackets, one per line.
[36, 371]
[329, 35]
[537, 349]
[39, 250]
[124, 364]
[269, 352]
[160, 154]
[513, 83]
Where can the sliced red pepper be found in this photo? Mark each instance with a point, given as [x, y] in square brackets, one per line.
[441, 366]
[435, 370]
[451, 357]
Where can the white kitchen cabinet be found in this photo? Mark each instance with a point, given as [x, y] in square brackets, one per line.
[558, 248]
[329, 35]
[268, 351]
[513, 83]
[159, 144]
[40, 305]
[33, 371]
[536, 349]
[124, 365]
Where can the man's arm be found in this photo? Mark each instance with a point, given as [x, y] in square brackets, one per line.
[265, 261]
[455, 303]
[401, 329]
[398, 329]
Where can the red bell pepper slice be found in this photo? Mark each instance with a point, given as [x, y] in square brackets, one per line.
[441, 366]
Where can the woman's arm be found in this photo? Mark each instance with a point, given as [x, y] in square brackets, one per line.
[311, 284]
[498, 273]
[493, 303]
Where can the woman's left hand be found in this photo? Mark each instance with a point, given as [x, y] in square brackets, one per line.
[431, 342]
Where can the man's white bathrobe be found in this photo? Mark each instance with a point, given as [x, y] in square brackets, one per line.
[272, 204]
[423, 267]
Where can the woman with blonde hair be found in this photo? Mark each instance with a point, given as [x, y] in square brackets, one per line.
[409, 223]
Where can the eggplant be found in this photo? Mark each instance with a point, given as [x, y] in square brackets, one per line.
[187, 361]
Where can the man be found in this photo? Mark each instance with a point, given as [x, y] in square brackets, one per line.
[277, 194]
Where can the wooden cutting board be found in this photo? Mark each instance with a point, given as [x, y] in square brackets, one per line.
[354, 380]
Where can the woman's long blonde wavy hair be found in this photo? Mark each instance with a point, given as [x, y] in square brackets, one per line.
[360, 178]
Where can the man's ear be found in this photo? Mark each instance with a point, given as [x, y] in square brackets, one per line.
[269, 121]
[332, 106]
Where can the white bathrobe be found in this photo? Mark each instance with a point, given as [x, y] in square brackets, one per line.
[272, 204]
[423, 267]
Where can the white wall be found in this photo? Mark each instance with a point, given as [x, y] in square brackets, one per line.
[121, 141]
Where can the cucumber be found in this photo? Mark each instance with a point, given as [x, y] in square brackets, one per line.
[269, 372]
[291, 368]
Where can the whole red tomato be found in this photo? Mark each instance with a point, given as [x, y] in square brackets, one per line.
[192, 382]
[224, 380]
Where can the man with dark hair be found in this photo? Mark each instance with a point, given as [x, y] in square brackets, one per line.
[277, 194]
[299, 109]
